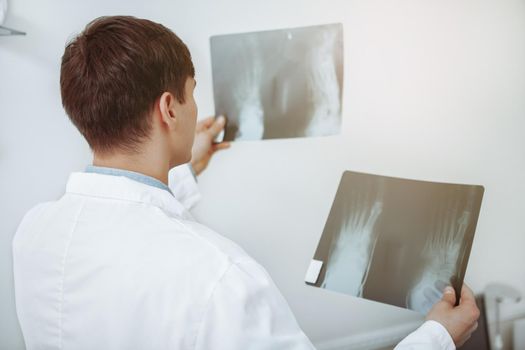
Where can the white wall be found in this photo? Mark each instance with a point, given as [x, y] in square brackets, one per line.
[434, 89]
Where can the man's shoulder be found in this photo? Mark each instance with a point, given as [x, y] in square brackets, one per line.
[171, 239]
[31, 217]
[210, 240]
[37, 210]
[135, 229]
[194, 253]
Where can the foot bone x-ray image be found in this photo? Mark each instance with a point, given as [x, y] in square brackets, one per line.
[279, 84]
[396, 241]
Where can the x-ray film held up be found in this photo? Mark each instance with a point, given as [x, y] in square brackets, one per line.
[396, 241]
[280, 83]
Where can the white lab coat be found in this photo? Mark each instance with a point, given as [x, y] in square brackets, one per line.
[118, 264]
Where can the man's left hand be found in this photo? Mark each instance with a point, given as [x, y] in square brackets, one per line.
[203, 146]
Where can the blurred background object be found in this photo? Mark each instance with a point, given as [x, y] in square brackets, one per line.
[3, 14]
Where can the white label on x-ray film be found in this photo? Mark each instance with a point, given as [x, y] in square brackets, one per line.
[313, 271]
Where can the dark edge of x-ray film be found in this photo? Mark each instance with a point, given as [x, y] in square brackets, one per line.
[282, 83]
[396, 241]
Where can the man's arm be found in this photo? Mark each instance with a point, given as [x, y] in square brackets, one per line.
[183, 178]
[447, 326]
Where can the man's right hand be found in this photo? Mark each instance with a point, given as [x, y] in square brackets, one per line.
[460, 321]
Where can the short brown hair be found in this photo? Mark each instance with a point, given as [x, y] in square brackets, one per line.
[113, 72]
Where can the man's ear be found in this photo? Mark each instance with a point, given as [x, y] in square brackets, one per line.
[167, 108]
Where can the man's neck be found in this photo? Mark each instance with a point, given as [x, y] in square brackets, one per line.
[153, 166]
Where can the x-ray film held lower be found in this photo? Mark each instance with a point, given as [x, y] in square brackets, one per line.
[397, 241]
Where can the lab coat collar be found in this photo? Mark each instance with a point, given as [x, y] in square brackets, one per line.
[123, 188]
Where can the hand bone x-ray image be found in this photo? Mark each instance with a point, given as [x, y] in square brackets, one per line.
[396, 241]
[280, 83]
